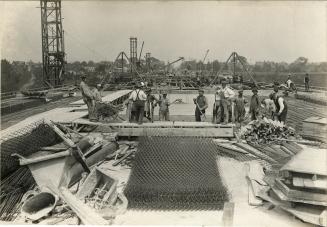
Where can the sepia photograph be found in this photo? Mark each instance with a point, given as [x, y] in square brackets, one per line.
[163, 113]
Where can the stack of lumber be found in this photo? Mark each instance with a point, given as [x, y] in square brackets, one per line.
[315, 128]
[274, 154]
[301, 187]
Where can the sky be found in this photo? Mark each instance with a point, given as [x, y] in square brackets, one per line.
[99, 30]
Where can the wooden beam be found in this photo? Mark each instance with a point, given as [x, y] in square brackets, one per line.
[228, 214]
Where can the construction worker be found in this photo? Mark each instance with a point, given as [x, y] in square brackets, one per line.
[217, 108]
[254, 104]
[201, 105]
[226, 96]
[96, 93]
[290, 85]
[130, 110]
[164, 107]
[289, 81]
[97, 99]
[306, 82]
[240, 102]
[268, 108]
[139, 98]
[88, 98]
[151, 102]
[281, 107]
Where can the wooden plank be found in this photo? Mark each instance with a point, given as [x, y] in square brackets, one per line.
[255, 152]
[108, 98]
[161, 124]
[87, 215]
[228, 214]
[192, 132]
[300, 196]
[309, 160]
[311, 214]
[309, 183]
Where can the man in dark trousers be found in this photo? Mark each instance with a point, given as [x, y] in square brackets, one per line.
[138, 97]
[281, 107]
[201, 104]
[254, 104]
[306, 82]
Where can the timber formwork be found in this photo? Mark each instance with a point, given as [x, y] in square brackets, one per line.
[163, 128]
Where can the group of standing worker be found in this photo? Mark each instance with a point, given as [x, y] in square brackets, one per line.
[231, 108]
[141, 103]
[227, 106]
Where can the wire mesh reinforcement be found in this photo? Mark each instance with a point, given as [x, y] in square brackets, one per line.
[175, 173]
[12, 189]
[25, 142]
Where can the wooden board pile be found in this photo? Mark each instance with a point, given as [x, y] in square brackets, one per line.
[299, 187]
[273, 153]
[265, 131]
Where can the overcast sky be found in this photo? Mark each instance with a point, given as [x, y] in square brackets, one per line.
[278, 31]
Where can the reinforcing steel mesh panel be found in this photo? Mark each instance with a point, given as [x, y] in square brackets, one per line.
[175, 173]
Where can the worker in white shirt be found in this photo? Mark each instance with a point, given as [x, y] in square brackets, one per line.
[226, 97]
[138, 97]
[290, 85]
[289, 82]
[268, 108]
[88, 98]
[281, 107]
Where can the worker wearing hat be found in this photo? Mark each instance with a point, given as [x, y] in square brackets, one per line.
[88, 98]
[151, 102]
[306, 82]
[226, 96]
[217, 107]
[201, 104]
[240, 102]
[164, 104]
[254, 104]
[138, 97]
[281, 106]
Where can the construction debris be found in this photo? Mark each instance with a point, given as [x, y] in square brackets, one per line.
[299, 187]
[12, 190]
[39, 205]
[265, 131]
[107, 111]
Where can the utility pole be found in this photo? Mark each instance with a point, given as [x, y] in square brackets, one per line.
[148, 61]
[53, 50]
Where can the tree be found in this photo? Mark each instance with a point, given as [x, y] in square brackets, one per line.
[14, 76]
[299, 65]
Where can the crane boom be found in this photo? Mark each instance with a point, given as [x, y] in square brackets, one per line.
[181, 58]
[205, 56]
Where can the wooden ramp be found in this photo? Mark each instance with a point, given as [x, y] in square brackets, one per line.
[164, 128]
[121, 94]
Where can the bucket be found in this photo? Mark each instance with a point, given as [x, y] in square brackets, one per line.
[39, 206]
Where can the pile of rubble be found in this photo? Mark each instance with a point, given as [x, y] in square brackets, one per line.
[265, 131]
[67, 181]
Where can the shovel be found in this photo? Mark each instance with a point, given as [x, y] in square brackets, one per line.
[203, 116]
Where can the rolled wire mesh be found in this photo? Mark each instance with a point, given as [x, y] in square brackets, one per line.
[175, 173]
[25, 141]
